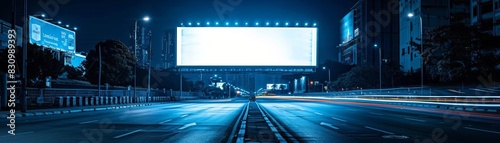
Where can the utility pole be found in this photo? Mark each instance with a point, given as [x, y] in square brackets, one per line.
[25, 57]
[100, 68]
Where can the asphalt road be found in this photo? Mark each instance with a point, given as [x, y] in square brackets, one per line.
[306, 120]
[350, 122]
[172, 122]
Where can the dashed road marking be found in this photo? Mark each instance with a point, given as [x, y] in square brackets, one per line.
[126, 134]
[317, 113]
[187, 126]
[418, 120]
[338, 119]
[163, 122]
[89, 122]
[328, 125]
[375, 129]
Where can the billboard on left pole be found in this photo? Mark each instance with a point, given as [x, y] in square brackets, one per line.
[49, 35]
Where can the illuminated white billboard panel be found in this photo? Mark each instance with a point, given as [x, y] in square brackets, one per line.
[246, 46]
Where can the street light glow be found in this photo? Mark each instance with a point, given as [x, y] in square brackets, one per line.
[375, 45]
[410, 15]
[59, 22]
[75, 28]
[145, 18]
[43, 15]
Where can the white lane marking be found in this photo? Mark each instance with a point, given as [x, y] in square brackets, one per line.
[328, 125]
[185, 115]
[495, 132]
[318, 113]
[126, 134]
[375, 129]
[418, 120]
[338, 119]
[187, 126]
[163, 122]
[376, 113]
[89, 122]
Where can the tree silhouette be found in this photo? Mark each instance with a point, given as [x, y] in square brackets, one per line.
[41, 63]
[117, 63]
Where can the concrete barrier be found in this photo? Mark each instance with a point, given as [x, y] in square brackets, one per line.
[92, 101]
[79, 101]
[106, 100]
[73, 101]
[59, 101]
[86, 101]
[101, 100]
[67, 101]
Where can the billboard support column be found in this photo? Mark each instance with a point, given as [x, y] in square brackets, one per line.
[180, 84]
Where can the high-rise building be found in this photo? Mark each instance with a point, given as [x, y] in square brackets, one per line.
[371, 24]
[168, 49]
[486, 15]
[143, 44]
[428, 14]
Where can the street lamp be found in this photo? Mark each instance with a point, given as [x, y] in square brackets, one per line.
[329, 77]
[379, 68]
[410, 15]
[135, 55]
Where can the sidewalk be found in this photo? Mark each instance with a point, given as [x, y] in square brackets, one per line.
[68, 110]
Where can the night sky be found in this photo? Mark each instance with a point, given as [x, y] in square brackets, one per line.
[98, 20]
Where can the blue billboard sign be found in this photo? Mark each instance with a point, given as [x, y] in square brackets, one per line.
[347, 27]
[52, 36]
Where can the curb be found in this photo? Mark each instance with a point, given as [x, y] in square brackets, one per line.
[57, 112]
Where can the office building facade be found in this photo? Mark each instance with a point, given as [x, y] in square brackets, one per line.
[371, 24]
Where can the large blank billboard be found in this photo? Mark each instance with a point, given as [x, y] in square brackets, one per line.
[246, 46]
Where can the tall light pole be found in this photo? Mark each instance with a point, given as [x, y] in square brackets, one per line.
[379, 68]
[100, 68]
[329, 79]
[135, 55]
[149, 67]
[410, 15]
